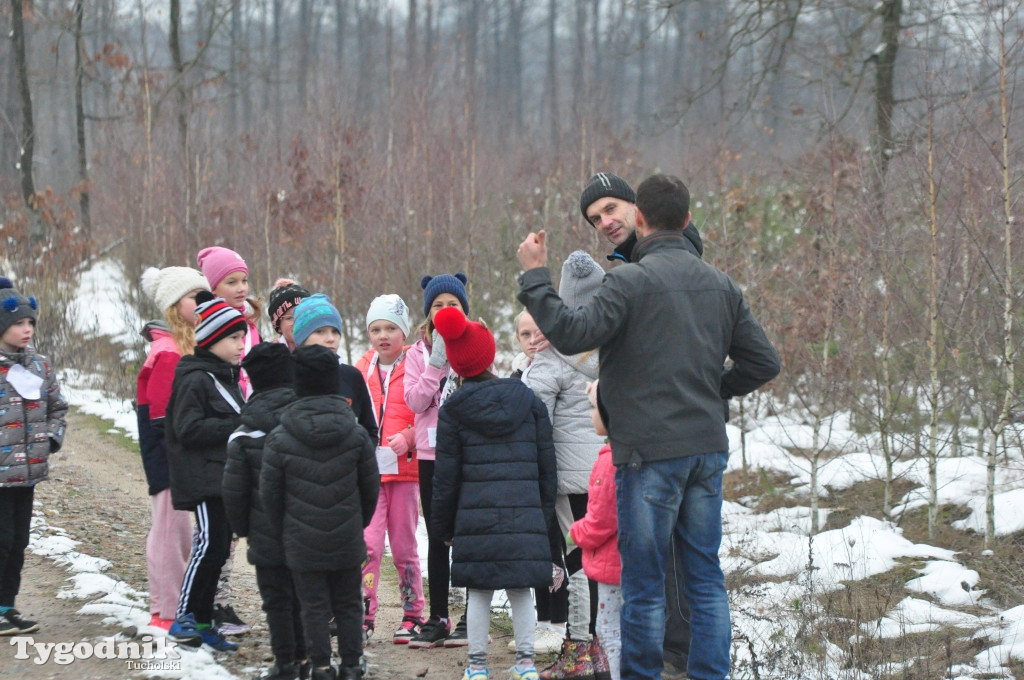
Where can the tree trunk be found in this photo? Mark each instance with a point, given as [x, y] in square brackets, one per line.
[37, 230]
[83, 158]
[181, 97]
[551, 81]
[885, 90]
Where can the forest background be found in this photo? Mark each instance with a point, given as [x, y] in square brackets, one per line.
[855, 164]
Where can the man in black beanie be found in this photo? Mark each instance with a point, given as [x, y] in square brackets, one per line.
[319, 485]
[608, 204]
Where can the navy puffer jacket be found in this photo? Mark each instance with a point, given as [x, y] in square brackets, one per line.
[242, 476]
[495, 481]
[319, 484]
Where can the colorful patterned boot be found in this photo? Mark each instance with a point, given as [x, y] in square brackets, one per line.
[599, 661]
[573, 663]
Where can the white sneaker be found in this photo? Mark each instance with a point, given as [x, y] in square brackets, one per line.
[546, 640]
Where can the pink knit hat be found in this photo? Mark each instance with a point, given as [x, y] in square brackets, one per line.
[217, 263]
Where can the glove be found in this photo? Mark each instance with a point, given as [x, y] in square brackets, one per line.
[398, 444]
[569, 543]
[557, 577]
[437, 353]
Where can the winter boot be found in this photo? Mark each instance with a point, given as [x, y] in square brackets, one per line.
[599, 661]
[280, 671]
[324, 674]
[350, 673]
[573, 663]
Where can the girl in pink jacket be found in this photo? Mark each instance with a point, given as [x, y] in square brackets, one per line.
[598, 535]
[428, 381]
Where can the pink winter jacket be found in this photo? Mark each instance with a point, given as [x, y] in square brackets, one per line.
[422, 394]
[598, 532]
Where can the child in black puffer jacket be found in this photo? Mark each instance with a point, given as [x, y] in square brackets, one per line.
[201, 415]
[269, 367]
[494, 484]
[319, 485]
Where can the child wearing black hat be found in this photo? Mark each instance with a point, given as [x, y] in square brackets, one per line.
[319, 485]
[269, 367]
[202, 413]
[31, 428]
[496, 473]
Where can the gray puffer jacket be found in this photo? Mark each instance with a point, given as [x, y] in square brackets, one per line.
[560, 382]
[31, 426]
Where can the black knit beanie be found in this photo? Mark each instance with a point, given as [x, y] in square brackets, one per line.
[605, 184]
[316, 371]
[268, 365]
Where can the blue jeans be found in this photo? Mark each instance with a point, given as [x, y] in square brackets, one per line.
[681, 497]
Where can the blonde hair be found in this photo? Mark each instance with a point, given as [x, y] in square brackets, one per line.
[182, 330]
[256, 312]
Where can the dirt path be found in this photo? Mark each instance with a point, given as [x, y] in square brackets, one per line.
[97, 494]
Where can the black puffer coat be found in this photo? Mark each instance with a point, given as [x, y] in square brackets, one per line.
[198, 423]
[494, 485]
[319, 484]
[260, 416]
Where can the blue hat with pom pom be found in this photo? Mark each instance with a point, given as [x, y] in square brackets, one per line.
[14, 306]
[444, 283]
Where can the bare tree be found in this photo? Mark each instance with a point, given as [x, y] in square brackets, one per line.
[37, 230]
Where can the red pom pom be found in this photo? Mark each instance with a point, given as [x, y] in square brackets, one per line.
[281, 283]
[450, 322]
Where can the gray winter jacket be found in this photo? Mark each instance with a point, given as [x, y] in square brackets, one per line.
[561, 383]
[666, 324]
[31, 420]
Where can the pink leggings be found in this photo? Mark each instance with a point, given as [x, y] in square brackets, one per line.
[167, 549]
[396, 515]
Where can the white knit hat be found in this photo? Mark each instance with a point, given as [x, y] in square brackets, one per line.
[168, 285]
[581, 277]
[391, 308]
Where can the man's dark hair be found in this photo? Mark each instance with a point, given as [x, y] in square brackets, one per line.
[664, 201]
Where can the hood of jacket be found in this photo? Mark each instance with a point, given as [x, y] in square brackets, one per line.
[262, 410]
[624, 251]
[154, 329]
[319, 421]
[496, 407]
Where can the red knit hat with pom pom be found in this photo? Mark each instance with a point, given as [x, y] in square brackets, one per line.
[468, 345]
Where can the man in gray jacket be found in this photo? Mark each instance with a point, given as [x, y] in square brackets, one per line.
[665, 325]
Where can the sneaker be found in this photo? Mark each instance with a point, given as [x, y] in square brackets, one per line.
[599, 660]
[11, 623]
[184, 631]
[432, 634]
[227, 622]
[546, 640]
[476, 674]
[156, 622]
[523, 672]
[573, 663]
[458, 638]
[367, 631]
[409, 629]
[214, 638]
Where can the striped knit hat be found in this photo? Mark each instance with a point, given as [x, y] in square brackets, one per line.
[216, 320]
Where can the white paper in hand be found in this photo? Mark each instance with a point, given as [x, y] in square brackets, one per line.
[387, 460]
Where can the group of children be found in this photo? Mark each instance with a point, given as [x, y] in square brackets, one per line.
[314, 462]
